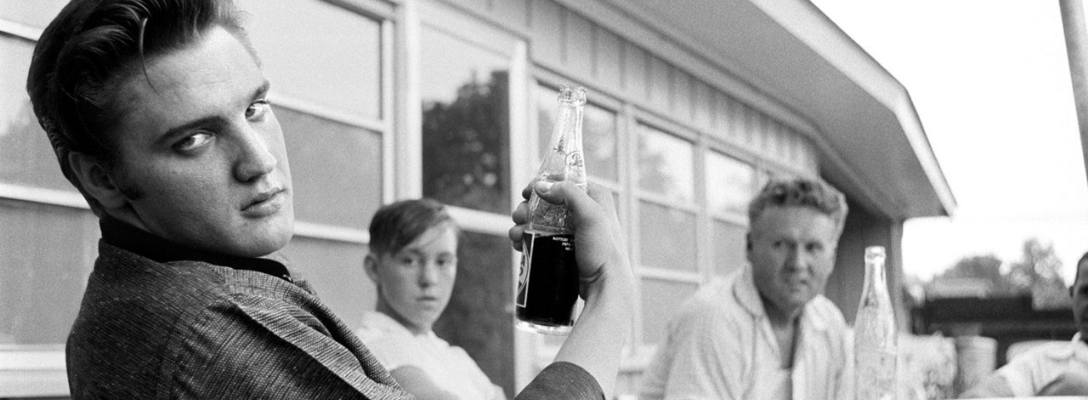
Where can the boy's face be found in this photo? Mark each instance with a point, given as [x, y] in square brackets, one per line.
[417, 281]
[202, 157]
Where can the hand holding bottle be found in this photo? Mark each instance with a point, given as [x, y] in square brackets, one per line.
[604, 272]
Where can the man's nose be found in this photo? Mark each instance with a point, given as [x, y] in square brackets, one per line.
[795, 258]
[255, 157]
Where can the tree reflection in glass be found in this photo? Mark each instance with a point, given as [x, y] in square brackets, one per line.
[465, 152]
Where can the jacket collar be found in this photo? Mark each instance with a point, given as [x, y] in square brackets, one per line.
[122, 235]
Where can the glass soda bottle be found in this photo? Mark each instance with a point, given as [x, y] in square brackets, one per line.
[875, 333]
[548, 280]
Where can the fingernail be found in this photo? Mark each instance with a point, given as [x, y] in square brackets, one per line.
[543, 186]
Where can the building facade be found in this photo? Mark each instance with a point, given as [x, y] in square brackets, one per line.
[690, 111]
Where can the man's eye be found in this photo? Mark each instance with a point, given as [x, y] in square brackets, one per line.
[258, 109]
[193, 141]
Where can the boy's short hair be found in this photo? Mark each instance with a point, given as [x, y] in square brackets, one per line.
[94, 45]
[800, 192]
[398, 224]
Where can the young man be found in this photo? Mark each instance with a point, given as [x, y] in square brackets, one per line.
[765, 332]
[413, 264]
[157, 112]
[1053, 369]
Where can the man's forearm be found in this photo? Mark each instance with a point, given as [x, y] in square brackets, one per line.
[599, 335]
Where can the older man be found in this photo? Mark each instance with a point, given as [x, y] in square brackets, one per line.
[1053, 369]
[157, 111]
[765, 332]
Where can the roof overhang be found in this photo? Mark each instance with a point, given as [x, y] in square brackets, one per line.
[861, 118]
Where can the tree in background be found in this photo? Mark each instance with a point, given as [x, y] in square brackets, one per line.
[1039, 266]
[981, 272]
[1038, 272]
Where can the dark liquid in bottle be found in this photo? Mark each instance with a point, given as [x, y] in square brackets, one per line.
[548, 283]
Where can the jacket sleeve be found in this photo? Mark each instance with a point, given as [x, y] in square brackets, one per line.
[562, 380]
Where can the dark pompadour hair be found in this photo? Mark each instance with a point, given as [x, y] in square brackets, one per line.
[398, 224]
[92, 46]
[800, 192]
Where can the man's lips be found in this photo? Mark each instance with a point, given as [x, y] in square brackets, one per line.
[266, 203]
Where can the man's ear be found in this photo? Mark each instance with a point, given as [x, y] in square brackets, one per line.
[370, 264]
[96, 180]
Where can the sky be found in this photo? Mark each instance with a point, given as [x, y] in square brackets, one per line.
[990, 81]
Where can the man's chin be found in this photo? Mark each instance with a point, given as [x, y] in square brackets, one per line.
[258, 245]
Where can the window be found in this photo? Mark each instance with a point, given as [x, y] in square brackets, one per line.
[32, 13]
[665, 164]
[730, 184]
[48, 236]
[666, 177]
[466, 127]
[331, 57]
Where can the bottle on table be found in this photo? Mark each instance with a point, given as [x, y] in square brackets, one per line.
[875, 334]
[548, 281]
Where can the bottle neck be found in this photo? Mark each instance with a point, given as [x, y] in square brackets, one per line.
[875, 280]
[567, 135]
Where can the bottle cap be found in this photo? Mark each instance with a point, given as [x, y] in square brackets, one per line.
[572, 95]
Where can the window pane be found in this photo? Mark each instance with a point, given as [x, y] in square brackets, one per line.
[26, 158]
[666, 237]
[335, 169]
[660, 300]
[335, 270]
[598, 133]
[465, 123]
[318, 52]
[729, 247]
[480, 316]
[729, 184]
[46, 253]
[36, 13]
[665, 164]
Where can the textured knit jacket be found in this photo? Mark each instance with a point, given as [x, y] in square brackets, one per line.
[227, 328]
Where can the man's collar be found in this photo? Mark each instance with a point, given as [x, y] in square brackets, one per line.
[130, 238]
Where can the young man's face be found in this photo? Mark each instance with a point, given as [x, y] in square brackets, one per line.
[792, 252]
[202, 156]
[416, 282]
[1080, 299]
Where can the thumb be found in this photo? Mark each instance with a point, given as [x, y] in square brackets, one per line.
[568, 194]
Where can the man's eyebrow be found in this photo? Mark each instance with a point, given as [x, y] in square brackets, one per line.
[172, 132]
[262, 90]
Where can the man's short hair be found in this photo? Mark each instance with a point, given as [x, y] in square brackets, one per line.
[800, 192]
[94, 45]
[1076, 271]
[398, 224]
